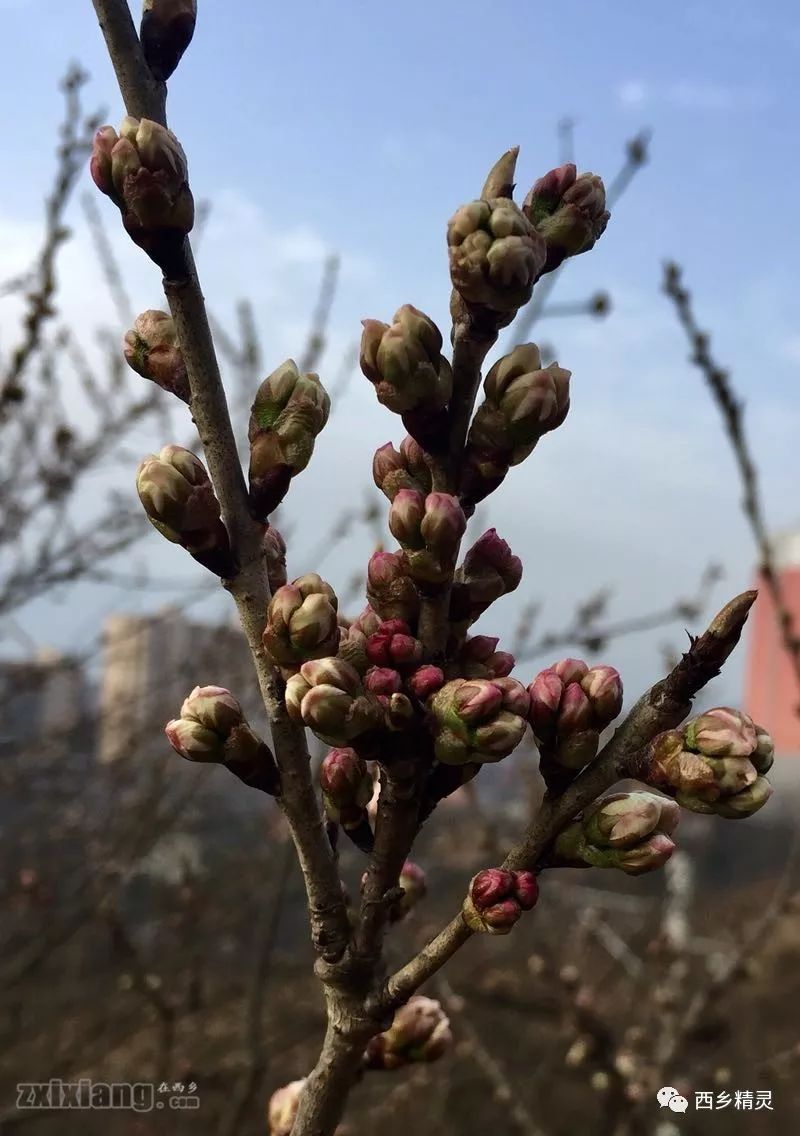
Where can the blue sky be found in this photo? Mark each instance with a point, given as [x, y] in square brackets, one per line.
[359, 127]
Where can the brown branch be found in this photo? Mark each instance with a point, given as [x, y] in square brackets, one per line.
[730, 408]
[250, 589]
[663, 707]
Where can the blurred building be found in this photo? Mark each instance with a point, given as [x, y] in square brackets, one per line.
[150, 664]
[772, 695]
[43, 699]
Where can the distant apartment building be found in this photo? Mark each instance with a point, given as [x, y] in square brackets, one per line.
[151, 662]
[43, 701]
[772, 692]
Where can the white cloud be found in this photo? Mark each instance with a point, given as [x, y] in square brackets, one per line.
[694, 94]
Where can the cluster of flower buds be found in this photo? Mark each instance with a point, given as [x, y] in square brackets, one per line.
[283, 1106]
[166, 31]
[213, 728]
[569, 211]
[478, 720]
[714, 764]
[391, 644]
[385, 685]
[326, 695]
[179, 500]
[406, 468]
[289, 411]
[302, 622]
[390, 590]
[479, 658]
[152, 350]
[346, 784]
[274, 549]
[404, 362]
[523, 401]
[143, 170]
[497, 898]
[495, 255]
[490, 571]
[629, 831]
[430, 529]
[420, 1031]
[571, 704]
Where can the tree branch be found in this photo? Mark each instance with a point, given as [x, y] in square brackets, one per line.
[663, 707]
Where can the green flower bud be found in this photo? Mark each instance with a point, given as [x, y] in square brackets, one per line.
[404, 362]
[495, 254]
[152, 350]
[302, 622]
[568, 211]
[289, 411]
[179, 500]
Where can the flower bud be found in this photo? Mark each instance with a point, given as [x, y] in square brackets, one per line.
[144, 171]
[425, 681]
[301, 622]
[495, 254]
[212, 728]
[393, 645]
[627, 831]
[478, 658]
[405, 518]
[390, 589]
[179, 500]
[391, 472]
[420, 1031]
[404, 362]
[382, 680]
[473, 720]
[497, 898]
[489, 571]
[274, 550]
[412, 881]
[166, 31]
[283, 1107]
[443, 525]
[346, 785]
[151, 349]
[523, 402]
[570, 705]
[714, 764]
[327, 696]
[568, 211]
[721, 732]
[289, 411]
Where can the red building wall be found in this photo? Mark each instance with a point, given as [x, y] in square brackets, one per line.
[771, 695]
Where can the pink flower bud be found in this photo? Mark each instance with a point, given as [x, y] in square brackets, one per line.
[405, 518]
[721, 732]
[496, 899]
[420, 1032]
[570, 670]
[479, 648]
[382, 680]
[393, 645]
[477, 700]
[345, 780]
[545, 694]
[575, 711]
[283, 1106]
[443, 524]
[425, 681]
[602, 685]
[491, 551]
